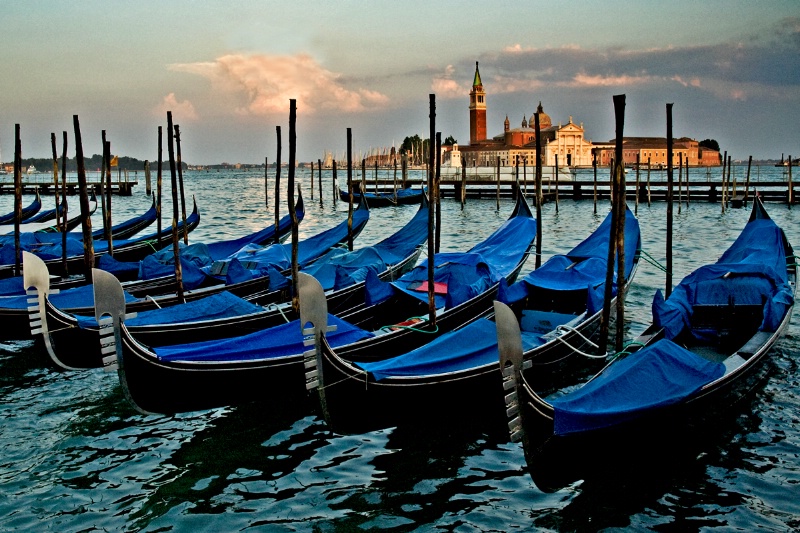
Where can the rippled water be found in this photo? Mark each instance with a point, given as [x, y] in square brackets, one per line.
[74, 456]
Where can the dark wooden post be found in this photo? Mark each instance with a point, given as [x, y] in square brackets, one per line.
[404, 169]
[618, 199]
[525, 176]
[277, 182]
[680, 181]
[747, 180]
[648, 182]
[638, 164]
[431, 221]
[17, 200]
[790, 199]
[437, 193]
[363, 187]
[668, 288]
[594, 167]
[724, 164]
[55, 177]
[539, 198]
[619, 179]
[516, 176]
[376, 176]
[148, 188]
[174, 181]
[463, 182]
[101, 186]
[350, 189]
[556, 183]
[179, 164]
[109, 237]
[319, 180]
[290, 199]
[159, 181]
[65, 209]
[86, 221]
[333, 183]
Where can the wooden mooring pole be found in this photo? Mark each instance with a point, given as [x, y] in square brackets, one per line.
[180, 182]
[290, 200]
[668, 288]
[176, 250]
[277, 189]
[17, 200]
[86, 220]
[747, 180]
[319, 180]
[65, 209]
[431, 221]
[350, 189]
[539, 196]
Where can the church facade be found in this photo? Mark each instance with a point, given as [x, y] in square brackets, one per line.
[562, 145]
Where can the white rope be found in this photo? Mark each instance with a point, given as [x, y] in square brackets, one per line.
[148, 297]
[575, 350]
[278, 308]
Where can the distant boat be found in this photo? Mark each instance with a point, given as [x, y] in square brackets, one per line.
[31, 169]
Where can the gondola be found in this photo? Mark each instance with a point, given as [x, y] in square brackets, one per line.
[375, 199]
[130, 227]
[200, 375]
[162, 292]
[73, 343]
[38, 230]
[124, 250]
[559, 306]
[703, 352]
[48, 215]
[27, 211]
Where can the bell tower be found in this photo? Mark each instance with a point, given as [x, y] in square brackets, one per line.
[477, 109]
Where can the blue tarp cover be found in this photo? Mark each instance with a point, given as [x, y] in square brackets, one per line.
[466, 274]
[151, 215]
[280, 341]
[221, 305]
[222, 249]
[590, 264]
[752, 271]
[67, 299]
[655, 377]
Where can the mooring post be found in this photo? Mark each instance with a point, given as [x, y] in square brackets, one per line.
[333, 183]
[747, 180]
[277, 190]
[668, 288]
[431, 221]
[17, 200]
[497, 171]
[539, 197]
[437, 195]
[86, 221]
[594, 167]
[65, 209]
[176, 250]
[290, 200]
[319, 180]
[350, 189]
[159, 168]
[463, 182]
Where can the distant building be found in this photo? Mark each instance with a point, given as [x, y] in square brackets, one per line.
[653, 150]
[566, 143]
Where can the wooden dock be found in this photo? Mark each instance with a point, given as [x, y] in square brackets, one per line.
[121, 187]
[693, 191]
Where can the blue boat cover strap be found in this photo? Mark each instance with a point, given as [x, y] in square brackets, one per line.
[655, 377]
[279, 341]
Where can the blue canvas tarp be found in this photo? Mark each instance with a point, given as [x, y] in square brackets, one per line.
[751, 272]
[655, 377]
[460, 276]
[280, 341]
[67, 299]
[584, 267]
[221, 305]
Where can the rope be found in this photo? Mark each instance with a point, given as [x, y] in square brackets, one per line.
[397, 326]
[278, 308]
[650, 259]
[625, 350]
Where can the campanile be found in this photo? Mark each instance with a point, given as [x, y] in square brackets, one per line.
[477, 109]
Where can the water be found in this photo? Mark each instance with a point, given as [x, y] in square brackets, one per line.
[74, 456]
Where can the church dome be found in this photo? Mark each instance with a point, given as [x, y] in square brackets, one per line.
[544, 118]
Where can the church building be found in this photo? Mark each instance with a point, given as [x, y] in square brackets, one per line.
[562, 145]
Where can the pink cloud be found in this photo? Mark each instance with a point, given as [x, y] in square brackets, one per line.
[180, 110]
[268, 82]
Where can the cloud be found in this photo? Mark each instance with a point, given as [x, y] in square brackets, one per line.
[268, 82]
[180, 110]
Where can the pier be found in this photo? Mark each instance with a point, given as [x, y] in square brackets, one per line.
[120, 185]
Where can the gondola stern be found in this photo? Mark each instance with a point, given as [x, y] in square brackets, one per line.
[109, 311]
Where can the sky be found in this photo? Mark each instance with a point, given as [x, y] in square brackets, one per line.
[228, 69]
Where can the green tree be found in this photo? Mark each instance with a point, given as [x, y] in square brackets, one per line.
[711, 144]
[450, 141]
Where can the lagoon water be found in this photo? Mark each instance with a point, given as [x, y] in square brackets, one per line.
[74, 456]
